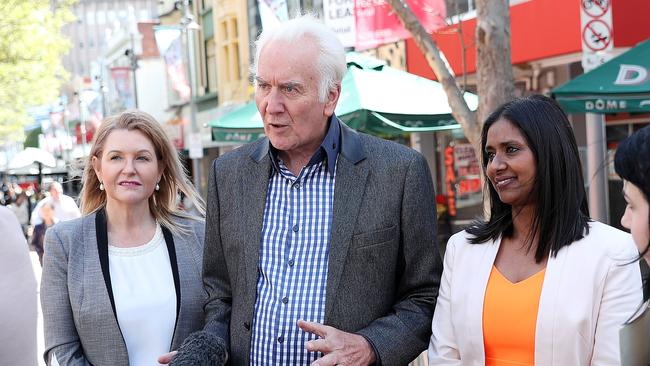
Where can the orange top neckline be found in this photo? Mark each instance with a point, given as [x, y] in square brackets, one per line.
[510, 319]
[540, 272]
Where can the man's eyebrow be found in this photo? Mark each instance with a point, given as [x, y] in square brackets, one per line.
[260, 80]
[292, 84]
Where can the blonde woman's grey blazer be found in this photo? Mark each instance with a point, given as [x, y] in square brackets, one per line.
[78, 313]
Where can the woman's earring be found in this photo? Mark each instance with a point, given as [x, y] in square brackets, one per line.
[157, 187]
[101, 186]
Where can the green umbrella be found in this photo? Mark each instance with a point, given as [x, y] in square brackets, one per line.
[242, 125]
[620, 85]
[375, 98]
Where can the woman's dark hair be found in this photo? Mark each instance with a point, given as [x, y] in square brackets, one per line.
[632, 163]
[561, 211]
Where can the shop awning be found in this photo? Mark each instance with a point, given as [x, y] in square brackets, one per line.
[375, 98]
[619, 85]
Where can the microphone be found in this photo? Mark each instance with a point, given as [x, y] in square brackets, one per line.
[201, 349]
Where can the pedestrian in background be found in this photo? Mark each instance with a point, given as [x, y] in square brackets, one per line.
[539, 282]
[21, 207]
[65, 207]
[18, 312]
[320, 241]
[122, 284]
[48, 216]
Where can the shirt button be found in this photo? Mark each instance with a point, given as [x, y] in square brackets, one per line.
[296, 185]
[285, 300]
[290, 263]
[280, 339]
[247, 326]
[295, 228]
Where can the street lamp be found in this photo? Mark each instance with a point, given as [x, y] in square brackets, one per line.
[133, 64]
[195, 145]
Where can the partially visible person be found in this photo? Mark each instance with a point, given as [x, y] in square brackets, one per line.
[21, 207]
[65, 207]
[122, 284]
[38, 236]
[539, 282]
[18, 312]
[4, 194]
[632, 164]
[10, 194]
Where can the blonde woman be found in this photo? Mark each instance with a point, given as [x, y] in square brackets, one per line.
[122, 284]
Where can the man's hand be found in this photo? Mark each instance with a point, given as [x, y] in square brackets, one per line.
[338, 347]
[167, 357]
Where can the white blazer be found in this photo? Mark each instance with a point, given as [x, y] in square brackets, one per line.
[588, 293]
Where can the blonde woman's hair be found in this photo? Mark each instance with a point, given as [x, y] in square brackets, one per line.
[162, 203]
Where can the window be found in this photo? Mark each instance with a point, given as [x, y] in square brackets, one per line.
[230, 49]
[460, 7]
[208, 51]
[211, 65]
[457, 7]
[90, 18]
[101, 17]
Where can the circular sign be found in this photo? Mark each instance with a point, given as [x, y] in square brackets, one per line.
[596, 35]
[595, 8]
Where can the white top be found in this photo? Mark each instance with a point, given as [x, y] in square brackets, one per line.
[590, 289]
[65, 208]
[145, 298]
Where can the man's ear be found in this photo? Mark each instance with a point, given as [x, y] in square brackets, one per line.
[332, 99]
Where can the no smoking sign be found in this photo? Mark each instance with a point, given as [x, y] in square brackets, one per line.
[597, 35]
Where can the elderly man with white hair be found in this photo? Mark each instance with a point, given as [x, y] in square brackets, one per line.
[320, 241]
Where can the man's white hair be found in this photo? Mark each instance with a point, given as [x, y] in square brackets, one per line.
[330, 64]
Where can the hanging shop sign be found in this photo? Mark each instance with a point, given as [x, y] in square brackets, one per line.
[339, 17]
[377, 23]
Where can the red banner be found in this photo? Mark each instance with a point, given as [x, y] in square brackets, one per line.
[377, 23]
[122, 80]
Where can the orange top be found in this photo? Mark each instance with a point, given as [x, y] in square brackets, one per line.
[510, 318]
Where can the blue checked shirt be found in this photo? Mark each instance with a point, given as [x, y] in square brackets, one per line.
[292, 270]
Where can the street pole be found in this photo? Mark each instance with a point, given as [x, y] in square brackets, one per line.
[597, 168]
[82, 125]
[195, 146]
[134, 66]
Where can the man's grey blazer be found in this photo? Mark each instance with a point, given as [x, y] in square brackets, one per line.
[384, 263]
[79, 323]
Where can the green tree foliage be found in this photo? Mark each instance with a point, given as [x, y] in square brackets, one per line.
[31, 48]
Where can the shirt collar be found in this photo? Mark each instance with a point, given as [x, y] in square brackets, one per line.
[328, 150]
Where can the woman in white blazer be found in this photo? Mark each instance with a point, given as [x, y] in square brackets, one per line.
[122, 284]
[539, 232]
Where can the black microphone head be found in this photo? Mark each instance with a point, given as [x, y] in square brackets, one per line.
[201, 349]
